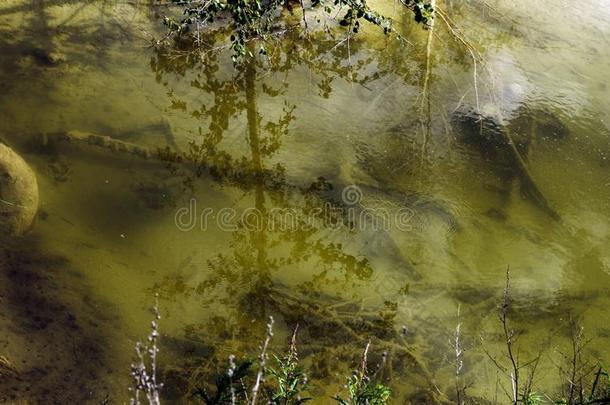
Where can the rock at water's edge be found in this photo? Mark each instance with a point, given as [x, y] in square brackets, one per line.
[18, 194]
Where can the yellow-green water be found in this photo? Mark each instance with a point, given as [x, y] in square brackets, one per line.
[75, 293]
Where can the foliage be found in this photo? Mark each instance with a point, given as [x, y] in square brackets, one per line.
[285, 387]
[248, 20]
[424, 12]
[290, 378]
[226, 389]
[286, 381]
[532, 399]
[364, 390]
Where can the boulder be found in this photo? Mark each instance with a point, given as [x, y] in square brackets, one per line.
[18, 194]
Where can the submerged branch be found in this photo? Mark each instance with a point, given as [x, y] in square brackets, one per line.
[530, 187]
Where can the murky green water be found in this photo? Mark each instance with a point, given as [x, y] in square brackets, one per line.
[114, 229]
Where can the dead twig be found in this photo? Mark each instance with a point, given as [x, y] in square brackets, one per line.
[262, 360]
[509, 336]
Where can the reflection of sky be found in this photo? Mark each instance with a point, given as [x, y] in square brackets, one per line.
[564, 51]
[506, 87]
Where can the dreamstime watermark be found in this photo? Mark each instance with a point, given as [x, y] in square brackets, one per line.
[350, 214]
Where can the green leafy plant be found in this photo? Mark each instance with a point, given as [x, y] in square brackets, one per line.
[364, 390]
[532, 399]
[227, 390]
[424, 12]
[286, 381]
[290, 377]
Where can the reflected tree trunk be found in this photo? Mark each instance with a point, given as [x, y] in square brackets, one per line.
[425, 108]
[258, 235]
[40, 25]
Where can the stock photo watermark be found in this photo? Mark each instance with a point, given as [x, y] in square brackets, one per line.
[350, 213]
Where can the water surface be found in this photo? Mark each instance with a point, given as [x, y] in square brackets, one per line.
[293, 134]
